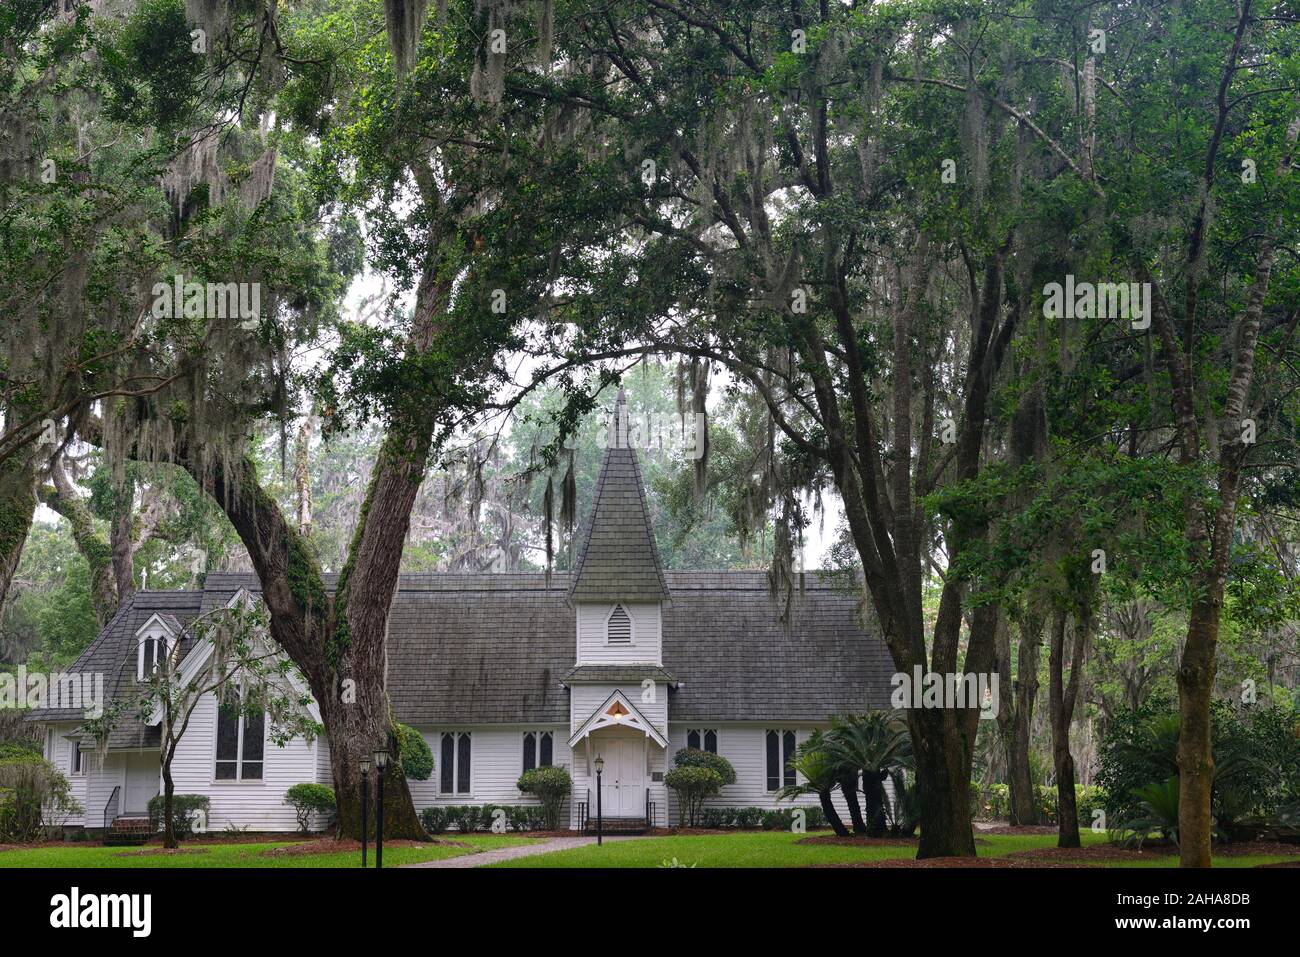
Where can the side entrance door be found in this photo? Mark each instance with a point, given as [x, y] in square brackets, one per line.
[141, 782]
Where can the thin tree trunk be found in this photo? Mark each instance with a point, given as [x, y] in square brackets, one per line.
[873, 788]
[1063, 698]
[832, 815]
[62, 497]
[849, 787]
[169, 788]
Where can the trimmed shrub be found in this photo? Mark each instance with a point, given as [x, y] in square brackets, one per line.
[748, 817]
[417, 759]
[308, 799]
[695, 758]
[183, 808]
[434, 819]
[551, 786]
[693, 785]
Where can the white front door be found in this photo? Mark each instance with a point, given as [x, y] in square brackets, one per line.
[141, 783]
[622, 791]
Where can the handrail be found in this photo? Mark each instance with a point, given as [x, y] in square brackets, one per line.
[112, 803]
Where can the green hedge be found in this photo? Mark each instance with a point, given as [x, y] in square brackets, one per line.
[750, 818]
[466, 818]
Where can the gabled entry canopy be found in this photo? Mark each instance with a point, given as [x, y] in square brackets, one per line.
[618, 712]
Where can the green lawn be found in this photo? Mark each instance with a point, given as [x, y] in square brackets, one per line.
[781, 849]
[240, 855]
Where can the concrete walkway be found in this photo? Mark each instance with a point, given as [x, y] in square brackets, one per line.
[548, 846]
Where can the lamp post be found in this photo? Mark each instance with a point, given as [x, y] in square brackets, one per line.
[365, 811]
[600, 766]
[381, 762]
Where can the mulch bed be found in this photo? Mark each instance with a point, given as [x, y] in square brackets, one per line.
[962, 862]
[1018, 829]
[330, 845]
[860, 841]
[162, 852]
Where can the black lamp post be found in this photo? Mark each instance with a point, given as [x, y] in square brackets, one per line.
[381, 762]
[600, 766]
[365, 810]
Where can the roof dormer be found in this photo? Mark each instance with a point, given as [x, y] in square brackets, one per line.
[154, 640]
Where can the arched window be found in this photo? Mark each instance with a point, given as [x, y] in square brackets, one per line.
[620, 626]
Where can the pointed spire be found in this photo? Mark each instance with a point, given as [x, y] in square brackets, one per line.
[617, 557]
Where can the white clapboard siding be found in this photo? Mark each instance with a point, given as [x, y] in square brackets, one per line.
[496, 761]
[646, 646]
[58, 751]
[255, 805]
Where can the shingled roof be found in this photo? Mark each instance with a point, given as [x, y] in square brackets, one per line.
[617, 558]
[113, 654]
[469, 648]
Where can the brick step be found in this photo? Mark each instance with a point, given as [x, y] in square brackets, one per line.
[128, 832]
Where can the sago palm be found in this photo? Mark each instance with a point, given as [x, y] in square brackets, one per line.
[814, 763]
[872, 745]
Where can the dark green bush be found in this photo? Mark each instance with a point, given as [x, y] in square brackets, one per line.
[417, 759]
[308, 799]
[695, 758]
[434, 819]
[552, 786]
[693, 784]
[748, 818]
[183, 807]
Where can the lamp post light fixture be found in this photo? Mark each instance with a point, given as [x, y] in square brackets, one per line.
[600, 766]
[381, 763]
[365, 810]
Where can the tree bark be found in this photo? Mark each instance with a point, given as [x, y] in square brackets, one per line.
[1016, 717]
[1063, 697]
[873, 789]
[849, 787]
[62, 497]
[17, 506]
[832, 815]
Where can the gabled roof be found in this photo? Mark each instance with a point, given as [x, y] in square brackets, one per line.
[617, 558]
[113, 654]
[629, 716]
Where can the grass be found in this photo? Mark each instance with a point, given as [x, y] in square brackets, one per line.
[781, 849]
[241, 855]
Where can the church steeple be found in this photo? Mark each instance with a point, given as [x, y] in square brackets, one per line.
[617, 559]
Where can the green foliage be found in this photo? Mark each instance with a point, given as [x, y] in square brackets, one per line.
[696, 758]
[150, 71]
[307, 799]
[467, 818]
[417, 758]
[33, 795]
[184, 807]
[1256, 756]
[1156, 811]
[693, 785]
[552, 785]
